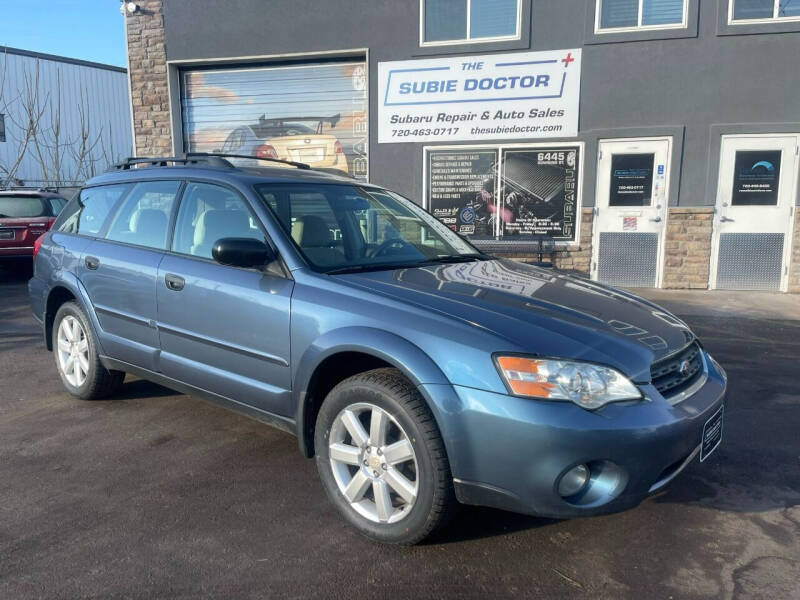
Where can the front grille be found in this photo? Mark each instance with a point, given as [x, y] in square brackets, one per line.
[666, 373]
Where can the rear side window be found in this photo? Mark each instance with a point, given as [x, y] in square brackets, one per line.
[22, 206]
[209, 213]
[143, 218]
[88, 211]
[57, 205]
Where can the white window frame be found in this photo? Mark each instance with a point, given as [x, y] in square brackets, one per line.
[468, 40]
[639, 27]
[773, 19]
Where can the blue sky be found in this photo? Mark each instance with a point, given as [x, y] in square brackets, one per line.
[86, 29]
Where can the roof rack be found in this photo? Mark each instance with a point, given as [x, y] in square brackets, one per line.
[29, 188]
[167, 161]
[214, 159]
[299, 165]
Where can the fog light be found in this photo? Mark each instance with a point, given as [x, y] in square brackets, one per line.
[573, 481]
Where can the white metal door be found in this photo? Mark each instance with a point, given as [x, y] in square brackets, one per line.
[757, 188]
[631, 211]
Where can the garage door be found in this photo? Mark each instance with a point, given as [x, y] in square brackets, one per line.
[311, 113]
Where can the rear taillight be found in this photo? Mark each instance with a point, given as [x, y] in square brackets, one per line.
[37, 244]
[337, 147]
[266, 151]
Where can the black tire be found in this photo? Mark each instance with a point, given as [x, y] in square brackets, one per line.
[391, 391]
[100, 382]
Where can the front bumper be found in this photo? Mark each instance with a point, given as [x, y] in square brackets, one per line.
[510, 452]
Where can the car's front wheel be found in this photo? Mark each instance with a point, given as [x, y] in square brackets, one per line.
[77, 358]
[381, 458]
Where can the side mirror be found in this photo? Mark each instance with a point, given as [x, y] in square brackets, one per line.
[242, 252]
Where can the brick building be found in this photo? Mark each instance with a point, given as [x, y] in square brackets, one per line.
[668, 156]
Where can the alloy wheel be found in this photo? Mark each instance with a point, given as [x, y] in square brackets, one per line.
[373, 463]
[73, 351]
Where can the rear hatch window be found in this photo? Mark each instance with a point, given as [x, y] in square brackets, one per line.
[17, 207]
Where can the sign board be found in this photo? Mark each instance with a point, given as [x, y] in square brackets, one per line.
[497, 96]
[632, 179]
[539, 192]
[461, 189]
[524, 192]
[756, 174]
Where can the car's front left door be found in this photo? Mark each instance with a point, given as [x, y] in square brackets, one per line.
[223, 329]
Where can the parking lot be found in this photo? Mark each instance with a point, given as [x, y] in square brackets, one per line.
[156, 494]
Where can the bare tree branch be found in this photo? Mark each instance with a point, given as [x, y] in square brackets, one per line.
[36, 127]
[23, 127]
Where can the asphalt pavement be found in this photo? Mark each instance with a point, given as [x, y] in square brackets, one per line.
[158, 495]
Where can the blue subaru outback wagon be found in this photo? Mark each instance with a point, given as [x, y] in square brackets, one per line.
[418, 371]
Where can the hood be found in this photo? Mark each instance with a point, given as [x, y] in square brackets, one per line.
[541, 311]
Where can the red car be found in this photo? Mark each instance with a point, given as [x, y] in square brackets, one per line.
[24, 216]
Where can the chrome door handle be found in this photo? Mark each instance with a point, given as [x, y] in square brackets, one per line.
[174, 282]
[724, 219]
[656, 220]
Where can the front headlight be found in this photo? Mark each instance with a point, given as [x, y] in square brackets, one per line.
[587, 385]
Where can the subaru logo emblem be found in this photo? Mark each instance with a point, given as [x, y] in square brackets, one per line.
[684, 368]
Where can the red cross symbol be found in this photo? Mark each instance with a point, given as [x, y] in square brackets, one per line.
[568, 60]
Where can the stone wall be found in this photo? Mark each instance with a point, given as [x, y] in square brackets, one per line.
[575, 257]
[687, 252]
[794, 268]
[579, 258]
[147, 62]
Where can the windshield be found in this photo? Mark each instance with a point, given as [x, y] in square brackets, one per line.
[341, 228]
[22, 206]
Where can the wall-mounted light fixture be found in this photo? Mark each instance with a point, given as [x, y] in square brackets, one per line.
[128, 8]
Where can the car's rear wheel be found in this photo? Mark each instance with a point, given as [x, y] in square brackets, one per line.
[77, 359]
[381, 458]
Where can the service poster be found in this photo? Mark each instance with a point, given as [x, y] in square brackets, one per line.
[756, 174]
[539, 192]
[631, 180]
[484, 97]
[461, 190]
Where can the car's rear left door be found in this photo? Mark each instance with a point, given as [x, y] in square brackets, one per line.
[119, 267]
[223, 329]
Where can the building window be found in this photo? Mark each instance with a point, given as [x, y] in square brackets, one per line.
[748, 11]
[635, 15]
[2, 128]
[468, 21]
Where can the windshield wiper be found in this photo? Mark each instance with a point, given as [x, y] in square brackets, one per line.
[445, 258]
[371, 267]
[457, 258]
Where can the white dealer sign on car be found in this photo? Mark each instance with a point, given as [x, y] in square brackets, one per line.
[497, 96]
